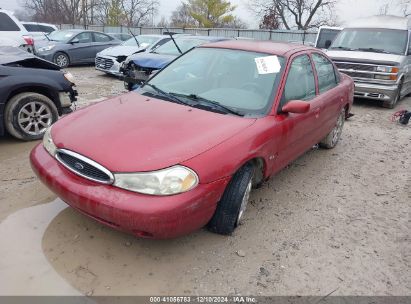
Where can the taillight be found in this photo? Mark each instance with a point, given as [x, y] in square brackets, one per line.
[29, 40]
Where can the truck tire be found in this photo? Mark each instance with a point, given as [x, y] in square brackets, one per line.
[28, 115]
[390, 104]
[332, 138]
[233, 203]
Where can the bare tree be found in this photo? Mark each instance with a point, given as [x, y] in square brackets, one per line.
[139, 12]
[270, 20]
[181, 17]
[402, 7]
[296, 14]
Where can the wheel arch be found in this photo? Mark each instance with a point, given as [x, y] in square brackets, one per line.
[50, 93]
[260, 166]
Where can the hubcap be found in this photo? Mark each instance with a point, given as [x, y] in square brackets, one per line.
[338, 129]
[61, 60]
[34, 118]
[244, 202]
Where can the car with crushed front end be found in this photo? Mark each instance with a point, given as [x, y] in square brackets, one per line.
[33, 94]
[110, 59]
[184, 150]
[137, 68]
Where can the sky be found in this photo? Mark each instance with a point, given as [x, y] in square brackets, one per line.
[346, 10]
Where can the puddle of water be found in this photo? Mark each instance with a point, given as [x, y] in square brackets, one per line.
[24, 269]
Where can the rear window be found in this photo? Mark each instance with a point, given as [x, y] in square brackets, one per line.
[7, 24]
[32, 27]
[46, 29]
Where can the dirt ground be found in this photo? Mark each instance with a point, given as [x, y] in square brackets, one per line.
[335, 221]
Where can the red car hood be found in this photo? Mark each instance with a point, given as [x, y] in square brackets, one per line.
[132, 133]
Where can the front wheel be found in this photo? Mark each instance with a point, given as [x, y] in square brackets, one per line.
[28, 115]
[332, 138]
[390, 104]
[231, 208]
[61, 59]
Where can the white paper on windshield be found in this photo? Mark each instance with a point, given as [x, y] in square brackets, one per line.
[268, 65]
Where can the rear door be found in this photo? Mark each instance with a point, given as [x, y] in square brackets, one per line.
[82, 51]
[101, 42]
[300, 131]
[330, 94]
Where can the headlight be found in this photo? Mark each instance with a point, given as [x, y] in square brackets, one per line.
[387, 69]
[168, 181]
[48, 143]
[46, 48]
[69, 77]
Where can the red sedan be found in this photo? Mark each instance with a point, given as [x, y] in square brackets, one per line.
[184, 150]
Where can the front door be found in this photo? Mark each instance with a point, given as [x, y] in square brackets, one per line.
[299, 131]
[82, 49]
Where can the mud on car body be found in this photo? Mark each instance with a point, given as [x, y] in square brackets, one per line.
[33, 93]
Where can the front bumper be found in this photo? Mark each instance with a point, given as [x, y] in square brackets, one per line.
[108, 65]
[375, 91]
[45, 56]
[142, 215]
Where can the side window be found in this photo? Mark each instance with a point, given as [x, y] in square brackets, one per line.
[98, 37]
[7, 24]
[325, 72]
[300, 83]
[409, 44]
[84, 37]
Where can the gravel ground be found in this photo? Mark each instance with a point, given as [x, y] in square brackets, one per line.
[333, 222]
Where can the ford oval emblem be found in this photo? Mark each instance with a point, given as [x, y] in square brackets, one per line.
[78, 166]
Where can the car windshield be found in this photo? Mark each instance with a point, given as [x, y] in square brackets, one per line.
[169, 48]
[220, 80]
[61, 35]
[372, 40]
[147, 40]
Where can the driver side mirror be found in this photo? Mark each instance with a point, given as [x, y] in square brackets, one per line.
[296, 106]
[75, 40]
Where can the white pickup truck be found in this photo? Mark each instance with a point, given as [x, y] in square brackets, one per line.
[13, 33]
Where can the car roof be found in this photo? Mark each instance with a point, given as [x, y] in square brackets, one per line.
[385, 22]
[267, 47]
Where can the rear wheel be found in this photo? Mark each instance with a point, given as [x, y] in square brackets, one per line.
[230, 210]
[332, 138]
[61, 59]
[28, 115]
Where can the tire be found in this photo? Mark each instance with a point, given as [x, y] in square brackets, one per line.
[332, 138]
[28, 115]
[233, 203]
[390, 104]
[61, 59]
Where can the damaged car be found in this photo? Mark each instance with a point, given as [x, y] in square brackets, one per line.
[185, 149]
[33, 94]
[110, 59]
[138, 68]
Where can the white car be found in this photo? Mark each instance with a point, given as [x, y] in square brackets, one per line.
[39, 30]
[13, 33]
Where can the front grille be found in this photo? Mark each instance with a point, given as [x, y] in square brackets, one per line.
[359, 75]
[104, 63]
[84, 167]
[356, 66]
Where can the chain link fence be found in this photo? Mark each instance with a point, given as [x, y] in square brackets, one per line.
[274, 35]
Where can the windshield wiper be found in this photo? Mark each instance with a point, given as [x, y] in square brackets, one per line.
[341, 48]
[164, 93]
[373, 50]
[210, 102]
